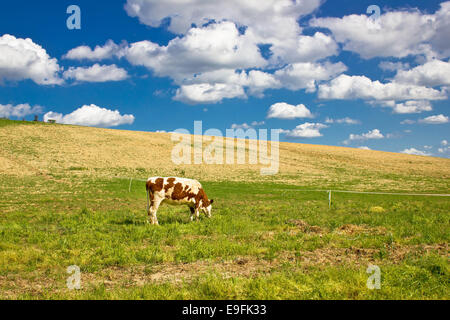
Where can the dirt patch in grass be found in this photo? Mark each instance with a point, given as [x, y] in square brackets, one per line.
[351, 229]
[250, 266]
[303, 226]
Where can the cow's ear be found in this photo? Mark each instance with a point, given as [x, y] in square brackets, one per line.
[211, 201]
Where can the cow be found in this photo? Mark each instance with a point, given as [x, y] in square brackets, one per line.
[176, 191]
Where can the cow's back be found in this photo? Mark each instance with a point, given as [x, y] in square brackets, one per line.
[175, 190]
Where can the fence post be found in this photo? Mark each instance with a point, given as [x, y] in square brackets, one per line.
[329, 199]
[129, 188]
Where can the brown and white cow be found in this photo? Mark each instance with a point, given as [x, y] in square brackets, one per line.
[176, 191]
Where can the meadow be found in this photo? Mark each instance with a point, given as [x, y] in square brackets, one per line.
[65, 200]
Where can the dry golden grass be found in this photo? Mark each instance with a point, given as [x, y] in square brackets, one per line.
[64, 149]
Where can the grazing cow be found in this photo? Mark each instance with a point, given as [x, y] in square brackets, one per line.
[176, 191]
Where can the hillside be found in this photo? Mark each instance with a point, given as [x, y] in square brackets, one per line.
[55, 150]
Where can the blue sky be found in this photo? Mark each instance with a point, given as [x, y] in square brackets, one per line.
[323, 71]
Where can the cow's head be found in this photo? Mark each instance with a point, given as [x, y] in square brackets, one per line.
[207, 209]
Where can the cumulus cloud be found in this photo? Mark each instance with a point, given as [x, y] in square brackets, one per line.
[416, 152]
[91, 115]
[441, 38]
[23, 59]
[372, 134]
[431, 74]
[410, 106]
[208, 93]
[247, 126]
[364, 148]
[444, 142]
[306, 75]
[345, 120]
[361, 87]
[213, 86]
[258, 81]
[107, 51]
[306, 130]
[437, 119]
[216, 46]
[396, 34]
[282, 110]
[282, 14]
[96, 73]
[19, 111]
[408, 121]
[305, 49]
[217, 39]
[393, 66]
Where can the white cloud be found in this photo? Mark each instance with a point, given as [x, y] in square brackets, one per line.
[108, 51]
[208, 93]
[213, 86]
[306, 130]
[437, 119]
[372, 134]
[441, 38]
[19, 111]
[399, 33]
[444, 142]
[205, 58]
[282, 110]
[345, 120]
[305, 49]
[257, 123]
[91, 115]
[272, 20]
[416, 152]
[431, 74]
[306, 75]
[408, 121]
[410, 106]
[258, 81]
[96, 73]
[444, 150]
[23, 59]
[393, 66]
[364, 148]
[214, 47]
[361, 87]
[247, 126]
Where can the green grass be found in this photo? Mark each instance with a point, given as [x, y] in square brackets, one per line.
[49, 224]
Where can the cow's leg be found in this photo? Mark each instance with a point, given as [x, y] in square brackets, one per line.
[197, 211]
[153, 209]
[192, 212]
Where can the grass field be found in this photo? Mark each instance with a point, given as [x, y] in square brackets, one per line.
[64, 201]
